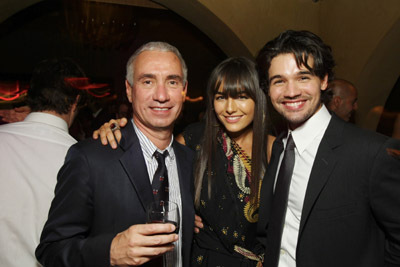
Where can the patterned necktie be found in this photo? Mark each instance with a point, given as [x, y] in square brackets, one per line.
[160, 178]
[279, 205]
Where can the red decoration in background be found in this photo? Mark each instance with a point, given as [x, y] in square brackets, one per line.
[92, 88]
[10, 91]
[99, 96]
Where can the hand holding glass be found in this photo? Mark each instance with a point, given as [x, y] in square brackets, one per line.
[164, 212]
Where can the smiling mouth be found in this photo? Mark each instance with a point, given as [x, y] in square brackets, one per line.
[232, 118]
[161, 109]
[294, 105]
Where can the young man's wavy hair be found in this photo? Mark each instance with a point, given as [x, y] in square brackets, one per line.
[303, 45]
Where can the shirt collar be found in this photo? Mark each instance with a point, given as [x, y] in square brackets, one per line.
[46, 118]
[304, 135]
[148, 147]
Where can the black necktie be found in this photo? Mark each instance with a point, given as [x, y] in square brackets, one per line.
[160, 178]
[279, 205]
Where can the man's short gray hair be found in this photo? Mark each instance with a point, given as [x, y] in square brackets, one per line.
[154, 46]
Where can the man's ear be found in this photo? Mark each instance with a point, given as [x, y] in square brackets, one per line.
[324, 83]
[128, 88]
[184, 92]
[73, 112]
[74, 106]
[336, 100]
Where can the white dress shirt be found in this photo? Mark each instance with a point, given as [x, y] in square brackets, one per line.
[307, 138]
[175, 257]
[31, 153]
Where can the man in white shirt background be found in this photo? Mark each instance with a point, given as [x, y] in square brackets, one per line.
[31, 153]
[331, 198]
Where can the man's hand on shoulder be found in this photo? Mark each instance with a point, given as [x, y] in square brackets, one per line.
[14, 115]
[110, 132]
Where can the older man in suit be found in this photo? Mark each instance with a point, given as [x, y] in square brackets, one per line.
[98, 215]
[332, 197]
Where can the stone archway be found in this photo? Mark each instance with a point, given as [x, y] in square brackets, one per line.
[382, 70]
[210, 24]
[11, 7]
[193, 11]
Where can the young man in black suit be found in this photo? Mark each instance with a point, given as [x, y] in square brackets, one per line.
[336, 200]
[98, 215]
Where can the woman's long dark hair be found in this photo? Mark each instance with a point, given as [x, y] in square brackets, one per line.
[238, 75]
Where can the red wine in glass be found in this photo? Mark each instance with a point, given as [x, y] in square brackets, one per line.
[164, 212]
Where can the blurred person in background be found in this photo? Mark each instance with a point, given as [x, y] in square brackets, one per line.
[31, 153]
[341, 98]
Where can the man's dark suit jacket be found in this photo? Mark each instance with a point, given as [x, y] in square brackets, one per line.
[101, 192]
[351, 212]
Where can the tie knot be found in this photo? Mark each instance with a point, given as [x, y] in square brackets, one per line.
[290, 145]
[160, 157]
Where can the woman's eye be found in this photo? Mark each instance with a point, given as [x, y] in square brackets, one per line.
[243, 96]
[219, 97]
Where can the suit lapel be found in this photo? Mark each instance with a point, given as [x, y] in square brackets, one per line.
[184, 166]
[184, 172]
[267, 189]
[324, 163]
[134, 165]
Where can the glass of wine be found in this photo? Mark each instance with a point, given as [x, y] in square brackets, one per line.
[164, 212]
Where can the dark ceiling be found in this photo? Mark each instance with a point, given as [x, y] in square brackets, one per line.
[100, 37]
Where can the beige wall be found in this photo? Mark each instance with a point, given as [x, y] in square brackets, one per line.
[364, 34]
[251, 23]
[257, 21]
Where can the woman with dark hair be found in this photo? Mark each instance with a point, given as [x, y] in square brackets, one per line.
[231, 159]
[231, 148]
